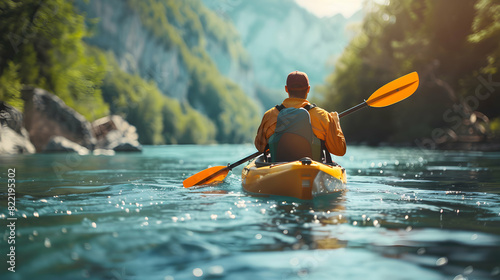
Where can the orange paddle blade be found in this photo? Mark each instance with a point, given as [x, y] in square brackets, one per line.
[207, 176]
[394, 91]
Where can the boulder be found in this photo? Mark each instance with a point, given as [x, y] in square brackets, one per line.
[61, 144]
[14, 138]
[46, 115]
[115, 133]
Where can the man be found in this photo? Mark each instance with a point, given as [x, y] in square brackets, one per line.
[325, 125]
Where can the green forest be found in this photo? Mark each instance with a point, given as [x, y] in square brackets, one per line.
[455, 48]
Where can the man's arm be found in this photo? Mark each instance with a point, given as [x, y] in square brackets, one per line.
[335, 140]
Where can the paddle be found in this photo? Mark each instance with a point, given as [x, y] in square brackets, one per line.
[388, 94]
[215, 174]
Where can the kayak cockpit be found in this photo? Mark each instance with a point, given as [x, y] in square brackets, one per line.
[304, 178]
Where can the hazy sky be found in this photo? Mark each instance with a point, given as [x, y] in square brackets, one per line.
[323, 8]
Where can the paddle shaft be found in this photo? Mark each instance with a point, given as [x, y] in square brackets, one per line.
[254, 155]
[353, 109]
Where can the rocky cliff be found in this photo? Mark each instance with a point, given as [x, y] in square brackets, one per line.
[139, 50]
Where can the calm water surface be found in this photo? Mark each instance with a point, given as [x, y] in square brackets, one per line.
[408, 214]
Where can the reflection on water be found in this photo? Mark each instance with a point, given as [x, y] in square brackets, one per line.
[408, 214]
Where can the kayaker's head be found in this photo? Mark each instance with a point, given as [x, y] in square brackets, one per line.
[297, 84]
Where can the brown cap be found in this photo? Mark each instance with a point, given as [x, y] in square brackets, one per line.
[297, 81]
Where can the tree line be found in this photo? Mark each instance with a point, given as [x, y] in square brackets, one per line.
[455, 48]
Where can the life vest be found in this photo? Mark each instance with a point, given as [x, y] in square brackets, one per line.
[293, 137]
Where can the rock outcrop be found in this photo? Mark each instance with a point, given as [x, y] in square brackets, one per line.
[46, 115]
[115, 133]
[14, 138]
[49, 126]
[60, 144]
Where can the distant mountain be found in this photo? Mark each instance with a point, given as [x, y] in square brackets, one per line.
[281, 37]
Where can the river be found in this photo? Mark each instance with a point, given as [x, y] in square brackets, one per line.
[407, 214]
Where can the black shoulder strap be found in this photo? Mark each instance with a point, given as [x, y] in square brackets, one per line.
[310, 106]
[307, 107]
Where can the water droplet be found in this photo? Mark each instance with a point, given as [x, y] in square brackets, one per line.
[258, 236]
[94, 225]
[36, 214]
[460, 277]
[473, 237]
[421, 251]
[47, 243]
[441, 261]
[197, 272]
[468, 270]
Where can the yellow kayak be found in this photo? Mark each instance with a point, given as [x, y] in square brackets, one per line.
[303, 179]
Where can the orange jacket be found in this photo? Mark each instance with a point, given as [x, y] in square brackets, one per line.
[325, 126]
